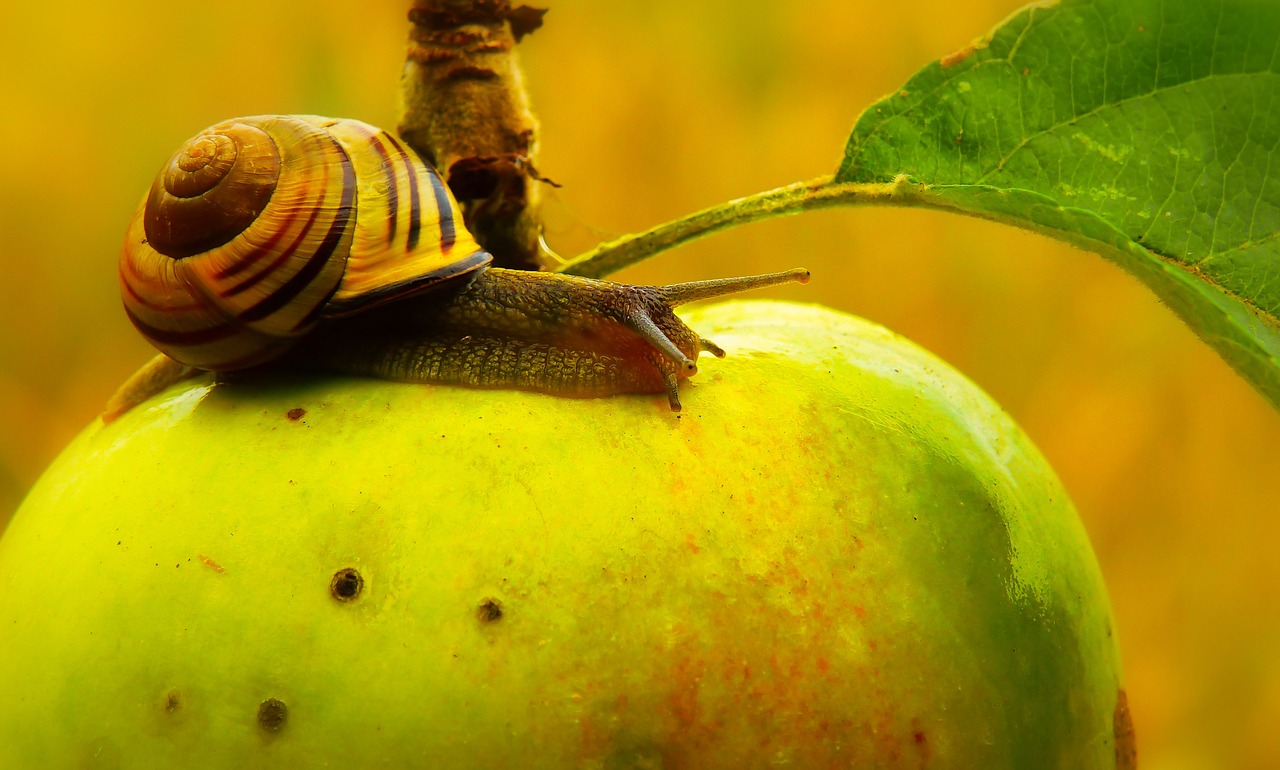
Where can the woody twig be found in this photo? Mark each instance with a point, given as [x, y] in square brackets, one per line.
[464, 108]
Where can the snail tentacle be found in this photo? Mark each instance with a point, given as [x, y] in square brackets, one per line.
[679, 293]
[710, 347]
[673, 391]
[643, 325]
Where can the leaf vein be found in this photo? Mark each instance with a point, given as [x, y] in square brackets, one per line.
[1262, 190]
[999, 165]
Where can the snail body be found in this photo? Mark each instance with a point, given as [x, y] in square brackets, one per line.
[327, 243]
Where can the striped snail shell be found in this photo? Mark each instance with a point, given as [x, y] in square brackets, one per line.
[260, 227]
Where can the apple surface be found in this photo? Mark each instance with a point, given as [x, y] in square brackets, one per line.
[840, 554]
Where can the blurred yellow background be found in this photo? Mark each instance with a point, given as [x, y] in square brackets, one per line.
[651, 109]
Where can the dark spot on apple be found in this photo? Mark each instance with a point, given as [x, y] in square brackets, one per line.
[296, 413]
[1122, 722]
[634, 754]
[172, 701]
[921, 741]
[489, 611]
[272, 714]
[346, 585]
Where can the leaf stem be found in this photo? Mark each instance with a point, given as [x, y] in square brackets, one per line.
[819, 193]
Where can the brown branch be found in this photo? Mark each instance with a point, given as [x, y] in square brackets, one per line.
[465, 109]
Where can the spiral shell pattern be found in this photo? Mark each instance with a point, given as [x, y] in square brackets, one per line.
[260, 227]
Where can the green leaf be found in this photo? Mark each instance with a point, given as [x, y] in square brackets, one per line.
[1146, 130]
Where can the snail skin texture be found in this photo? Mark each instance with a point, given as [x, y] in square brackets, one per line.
[327, 243]
[841, 555]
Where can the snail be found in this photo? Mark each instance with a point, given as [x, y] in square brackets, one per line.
[329, 244]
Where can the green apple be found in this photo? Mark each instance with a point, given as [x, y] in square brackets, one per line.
[841, 554]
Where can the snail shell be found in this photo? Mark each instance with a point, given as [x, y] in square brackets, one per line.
[260, 227]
